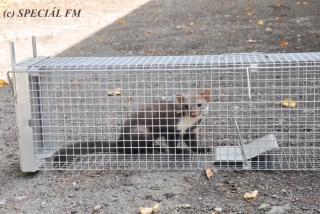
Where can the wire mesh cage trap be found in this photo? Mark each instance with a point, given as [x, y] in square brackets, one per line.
[261, 111]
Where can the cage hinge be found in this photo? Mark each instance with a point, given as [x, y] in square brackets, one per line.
[31, 123]
[253, 68]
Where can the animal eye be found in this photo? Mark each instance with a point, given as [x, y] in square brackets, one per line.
[199, 104]
[186, 106]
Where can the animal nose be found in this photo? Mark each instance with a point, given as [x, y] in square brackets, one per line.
[193, 114]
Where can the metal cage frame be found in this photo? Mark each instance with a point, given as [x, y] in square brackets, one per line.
[265, 113]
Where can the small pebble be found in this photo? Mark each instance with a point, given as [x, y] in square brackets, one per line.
[73, 211]
[264, 206]
[183, 206]
[97, 208]
[218, 209]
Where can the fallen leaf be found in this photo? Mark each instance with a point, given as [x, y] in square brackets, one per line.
[3, 82]
[248, 8]
[284, 43]
[308, 111]
[145, 210]
[191, 24]
[155, 208]
[66, 179]
[260, 23]
[148, 32]
[251, 195]
[128, 99]
[76, 82]
[289, 102]
[100, 39]
[114, 93]
[268, 29]
[190, 32]
[209, 173]
[249, 14]
[122, 21]
[238, 16]
[94, 175]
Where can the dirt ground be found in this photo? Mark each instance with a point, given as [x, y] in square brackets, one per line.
[123, 28]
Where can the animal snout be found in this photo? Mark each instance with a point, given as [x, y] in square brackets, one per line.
[193, 114]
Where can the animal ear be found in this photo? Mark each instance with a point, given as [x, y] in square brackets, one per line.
[179, 97]
[206, 94]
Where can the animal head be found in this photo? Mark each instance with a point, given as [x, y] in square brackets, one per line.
[194, 101]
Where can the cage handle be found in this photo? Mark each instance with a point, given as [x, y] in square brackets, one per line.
[14, 62]
[13, 65]
[34, 47]
[240, 54]
[241, 144]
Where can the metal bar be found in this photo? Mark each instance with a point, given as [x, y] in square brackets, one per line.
[241, 143]
[23, 111]
[248, 84]
[34, 47]
[13, 56]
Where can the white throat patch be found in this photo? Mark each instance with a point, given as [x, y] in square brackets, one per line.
[187, 122]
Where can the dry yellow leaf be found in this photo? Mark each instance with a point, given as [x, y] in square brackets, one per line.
[155, 208]
[268, 29]
[122, 21]
[93, 175]
[3, 82]
[209, 173]
[284, 43]
[248, 8]
[76, 82]
[66, 179]
[100, 39]
[251, 195]
[289, 102]
[238, 16]
[260, 23]
[148, 32]
[191, 24]
[251, 41]
[128, 99]
[114, 93]
[145, 210]
[308, 111]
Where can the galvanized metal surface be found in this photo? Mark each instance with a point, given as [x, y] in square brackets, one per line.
[70, 103]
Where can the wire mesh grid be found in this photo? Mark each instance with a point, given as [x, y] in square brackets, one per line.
[263, 112]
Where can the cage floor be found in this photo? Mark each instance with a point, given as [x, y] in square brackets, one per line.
[278, 159]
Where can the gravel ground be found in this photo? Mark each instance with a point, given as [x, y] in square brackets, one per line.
[150, 28]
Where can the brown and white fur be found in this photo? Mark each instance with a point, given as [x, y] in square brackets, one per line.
[150, 122]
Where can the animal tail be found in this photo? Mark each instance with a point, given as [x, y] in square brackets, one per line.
[81, 148]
